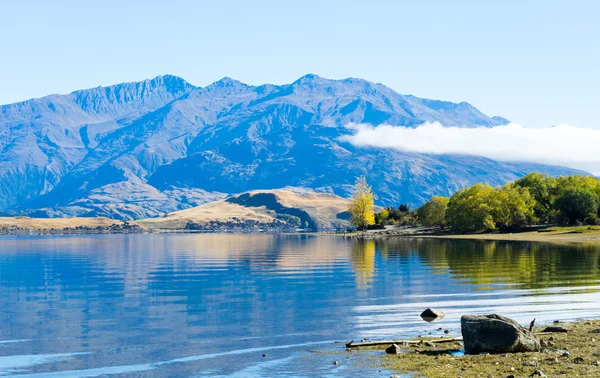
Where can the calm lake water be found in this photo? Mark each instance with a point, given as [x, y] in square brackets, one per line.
[212, 305]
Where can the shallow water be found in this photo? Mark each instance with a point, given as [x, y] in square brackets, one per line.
[211, 305]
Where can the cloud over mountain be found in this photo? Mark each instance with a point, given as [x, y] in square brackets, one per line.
[558, 145]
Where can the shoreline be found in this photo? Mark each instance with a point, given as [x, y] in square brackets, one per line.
[573, 238]
[560, 235]
[22, 226]
[572, 354]
[540, 237]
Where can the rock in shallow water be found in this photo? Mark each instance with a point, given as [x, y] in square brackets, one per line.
[431, 314]
[496, 334]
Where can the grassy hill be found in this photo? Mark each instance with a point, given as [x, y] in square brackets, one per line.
[21, 225]
[271, 210]
[27, 223]
[283, 208]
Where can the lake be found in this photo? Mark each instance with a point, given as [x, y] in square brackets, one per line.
[206, 305]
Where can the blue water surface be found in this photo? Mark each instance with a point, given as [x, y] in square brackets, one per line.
[206, 305]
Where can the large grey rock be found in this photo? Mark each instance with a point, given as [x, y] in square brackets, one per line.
[496, 334]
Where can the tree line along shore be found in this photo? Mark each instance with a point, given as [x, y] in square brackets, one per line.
[533, 201]
[571, 204]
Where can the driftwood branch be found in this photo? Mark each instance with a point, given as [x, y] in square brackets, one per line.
[531, 325]
[352, 344]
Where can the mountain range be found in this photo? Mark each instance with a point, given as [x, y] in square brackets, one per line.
[142, 149]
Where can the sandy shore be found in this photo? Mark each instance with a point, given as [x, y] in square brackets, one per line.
[569, 235]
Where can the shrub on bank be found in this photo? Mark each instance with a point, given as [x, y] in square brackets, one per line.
[533, 199]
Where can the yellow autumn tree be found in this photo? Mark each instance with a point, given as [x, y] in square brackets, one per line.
[361, 204]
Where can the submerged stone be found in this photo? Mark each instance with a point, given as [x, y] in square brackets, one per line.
[431, 314]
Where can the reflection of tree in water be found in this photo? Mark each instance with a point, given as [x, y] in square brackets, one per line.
[530, 265]
[363, 263]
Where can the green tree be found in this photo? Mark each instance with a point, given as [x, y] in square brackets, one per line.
[533, 198]
[382, 216]
[471, 209]
[512, 207]
[589, 183]
[577, 204]
[433, 213]
[361, 204]
[290, 219]
[576, 196]
[482, 207]
[543, 189]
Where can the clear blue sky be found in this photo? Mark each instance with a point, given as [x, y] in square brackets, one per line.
[534, 62]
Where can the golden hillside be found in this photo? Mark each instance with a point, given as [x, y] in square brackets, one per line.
[318, 210]
[28, 223]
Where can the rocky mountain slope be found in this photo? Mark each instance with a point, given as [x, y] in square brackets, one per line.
[138, 150]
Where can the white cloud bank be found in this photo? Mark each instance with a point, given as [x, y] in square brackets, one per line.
[558, 145]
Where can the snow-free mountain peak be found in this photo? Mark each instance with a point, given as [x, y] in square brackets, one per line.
[227, 82]
[143, 148]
